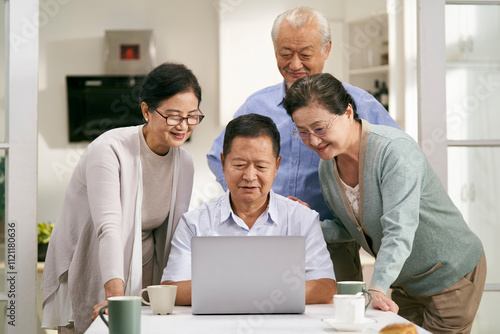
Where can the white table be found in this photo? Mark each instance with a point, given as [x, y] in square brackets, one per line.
[183, 321]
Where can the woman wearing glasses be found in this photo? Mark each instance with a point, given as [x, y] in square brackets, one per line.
[387, 198]
[123, 204]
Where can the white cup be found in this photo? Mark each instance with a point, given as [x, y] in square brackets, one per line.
[353, 288]
[349, 308]
[161, 298]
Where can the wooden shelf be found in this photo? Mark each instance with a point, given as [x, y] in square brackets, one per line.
[370, 70]
[368, 63]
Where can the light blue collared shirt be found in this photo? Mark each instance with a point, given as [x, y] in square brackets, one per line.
[298, 171]
[216, 218]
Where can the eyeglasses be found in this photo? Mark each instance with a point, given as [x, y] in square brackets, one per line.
[318, 132]
[174, 120]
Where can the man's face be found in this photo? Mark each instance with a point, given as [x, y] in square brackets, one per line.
[299, 53]
[250, 168]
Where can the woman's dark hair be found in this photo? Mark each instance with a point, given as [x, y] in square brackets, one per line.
[323, 90]
[167, 80]
[251, 126]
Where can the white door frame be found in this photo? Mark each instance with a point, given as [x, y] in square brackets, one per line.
[21, 20]
[431, 68]
[431, 73]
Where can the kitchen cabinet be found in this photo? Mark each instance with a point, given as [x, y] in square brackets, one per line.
[469, 33]
[367, 48]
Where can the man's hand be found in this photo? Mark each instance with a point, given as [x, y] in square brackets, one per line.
[382, 302]
[183, 296]
[298, 200]
[320, 291]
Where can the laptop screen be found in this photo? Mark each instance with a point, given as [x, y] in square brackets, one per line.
[248, 274]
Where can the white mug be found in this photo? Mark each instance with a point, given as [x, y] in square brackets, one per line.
[161, 298]
[349, 308]
[353, 288]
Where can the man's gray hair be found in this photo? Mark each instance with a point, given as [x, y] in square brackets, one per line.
[300, 17]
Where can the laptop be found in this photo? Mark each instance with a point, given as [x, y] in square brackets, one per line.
[248, 274]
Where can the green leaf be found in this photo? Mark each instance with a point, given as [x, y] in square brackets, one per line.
[44, 232]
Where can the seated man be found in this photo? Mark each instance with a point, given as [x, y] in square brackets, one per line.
[250, 161]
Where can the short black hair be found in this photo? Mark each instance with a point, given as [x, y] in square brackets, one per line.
[167, 80]
[321, 89]
[251, 126]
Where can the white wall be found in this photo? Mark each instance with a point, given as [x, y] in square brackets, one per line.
[361, 9]
[187, 31]
[72, 42]
[246, 48]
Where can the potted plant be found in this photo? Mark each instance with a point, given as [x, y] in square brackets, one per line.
[44, 232]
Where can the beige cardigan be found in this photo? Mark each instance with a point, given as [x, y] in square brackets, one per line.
[93, 237]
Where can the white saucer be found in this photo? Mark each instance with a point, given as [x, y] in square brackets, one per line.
[350, 327]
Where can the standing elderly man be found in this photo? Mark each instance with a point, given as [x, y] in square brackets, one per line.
[250, 161]
[302, 44]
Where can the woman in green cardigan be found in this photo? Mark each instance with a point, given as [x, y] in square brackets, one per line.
[386, 196]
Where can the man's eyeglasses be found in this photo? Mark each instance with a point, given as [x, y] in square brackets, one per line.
[174, 120]
[318, 132]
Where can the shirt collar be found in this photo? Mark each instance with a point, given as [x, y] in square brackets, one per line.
[225, 210]
[282, 93]
[272, 208]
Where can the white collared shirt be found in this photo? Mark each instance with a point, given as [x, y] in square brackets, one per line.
[282, 217]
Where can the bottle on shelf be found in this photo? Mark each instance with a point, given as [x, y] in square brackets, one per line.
[384, 53]
[384, 96]
[376, 92]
